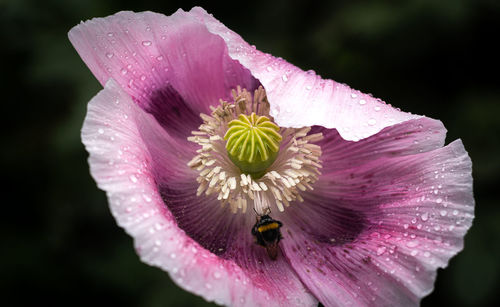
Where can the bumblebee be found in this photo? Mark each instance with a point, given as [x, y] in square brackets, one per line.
[267, 234]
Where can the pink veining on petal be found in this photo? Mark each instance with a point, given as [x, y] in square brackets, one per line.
[299, 98]
[156, 58]
[378, 226]
[130, 153]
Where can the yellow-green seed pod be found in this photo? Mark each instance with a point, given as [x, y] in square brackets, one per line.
[253, 143]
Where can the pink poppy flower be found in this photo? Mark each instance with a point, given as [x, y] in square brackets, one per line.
[368, 201]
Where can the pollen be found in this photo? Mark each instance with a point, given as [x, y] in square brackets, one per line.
[246, 160]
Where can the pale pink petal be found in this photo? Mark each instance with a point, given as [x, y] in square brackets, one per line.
[375, 229]
[136, 162]
[407, 138]
[152, 56]
[300, 98]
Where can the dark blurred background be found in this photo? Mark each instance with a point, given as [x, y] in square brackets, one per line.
[61, 245]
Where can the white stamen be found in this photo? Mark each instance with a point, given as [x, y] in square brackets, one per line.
[294, 170]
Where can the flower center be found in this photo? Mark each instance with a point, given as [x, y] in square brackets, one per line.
[252, 143]
[247, 160]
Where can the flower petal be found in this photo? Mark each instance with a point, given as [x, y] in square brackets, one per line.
[134, 160]
[374, 233]
[300, 98]
[152, 56]
[407, 138]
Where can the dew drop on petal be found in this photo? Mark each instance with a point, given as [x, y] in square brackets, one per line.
[362, 101]
[413, 243]
[439, 200]
[377, 109]
[353, 95]
[443, 212]
[372, 122]
[101, 131]
[146, 198]
[109, 55]
[425, 216]
[455, 212]
[285, 78]
[414, 252]
[146, 43]
[381, 250]
[133, 178]
[308, 87]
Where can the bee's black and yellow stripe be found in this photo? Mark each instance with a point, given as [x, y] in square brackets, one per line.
[270, 226]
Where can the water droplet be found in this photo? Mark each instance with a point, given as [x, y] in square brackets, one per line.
[308, 87]
[372, 122]
[439, 200]
[143, 77]
[425, 216]
[455, 212]
[269, 68]
[443, 212]
[159, 58]
[101, 131]
[377, 109]
[413, 243]
[133, 178]
[285, 78]
[414, 252]
[427, 254]
[148, 28]
[146, 43]
[381, 250]
[353, 95]
[109, 55]
[110, 34]
[362, 101]
[217, 275]
[405, 226]
[146, 198]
